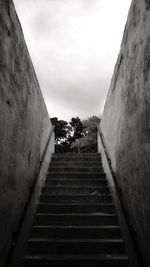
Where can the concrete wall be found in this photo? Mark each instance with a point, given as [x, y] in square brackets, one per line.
[126, 122]
[24, 123]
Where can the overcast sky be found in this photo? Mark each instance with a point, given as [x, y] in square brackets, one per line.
[74, 46]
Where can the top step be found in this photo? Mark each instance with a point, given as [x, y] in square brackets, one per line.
[76, 154]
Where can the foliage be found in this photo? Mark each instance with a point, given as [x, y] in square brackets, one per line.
[66, 133]
[77, 135]
[61, 129]
[76, 128]
[88, 143]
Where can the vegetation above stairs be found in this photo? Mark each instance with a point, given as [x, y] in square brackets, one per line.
[76, 136]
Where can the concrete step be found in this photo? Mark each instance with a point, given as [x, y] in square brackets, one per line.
[56, 208]
[71, 260]
[75, 169]
[75, 219]
[76, 190]
[76, 223]
[70, 232]
[62, 164]
[75, 246]
[76, 155]
[80, 198]
[76, 159]
[76, 175]
[76, 182]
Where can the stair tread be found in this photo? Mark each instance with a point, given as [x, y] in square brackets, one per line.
[78, 179]
[76, 175]
[77, 257]
[75, 154]
[80, 162]
[73, 180]
[77, 215]
[76, 240]
[75, 204]
[70, 173]
[76, 198]
[78, 187]
[79, 195]
[77, 226]
[74, 256]
[76, 167]
[75, 190]
[76, 171]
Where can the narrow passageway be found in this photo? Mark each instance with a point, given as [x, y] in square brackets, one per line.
[76, 222]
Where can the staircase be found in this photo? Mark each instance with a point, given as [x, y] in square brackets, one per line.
[76, 224]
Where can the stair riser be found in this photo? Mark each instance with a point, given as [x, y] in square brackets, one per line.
[75, 164]
[76, 199]
[75, 169]
[76, 158]
[76, 263]
[75, 220]
[59, 209]
[75, 247]
[77, 190]
[70, 233]
[75, 175]
[76, 182]
[89, 154]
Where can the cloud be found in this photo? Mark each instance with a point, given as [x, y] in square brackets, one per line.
[74, 46]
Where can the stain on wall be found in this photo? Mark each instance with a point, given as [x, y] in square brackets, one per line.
[126, 122]
[147, 4]
[24, 123]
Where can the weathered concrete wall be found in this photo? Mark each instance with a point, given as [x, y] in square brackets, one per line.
[126, 122]
[24, 123]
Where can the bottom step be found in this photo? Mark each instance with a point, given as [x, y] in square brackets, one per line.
[105, 260]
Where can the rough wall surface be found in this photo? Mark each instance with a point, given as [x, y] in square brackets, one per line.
[24, 123]
[126, 122]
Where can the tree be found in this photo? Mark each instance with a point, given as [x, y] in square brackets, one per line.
[77, 135]
[88, 142]
[61, 129]
[76, 128]
[76, 132]
[61, 134]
